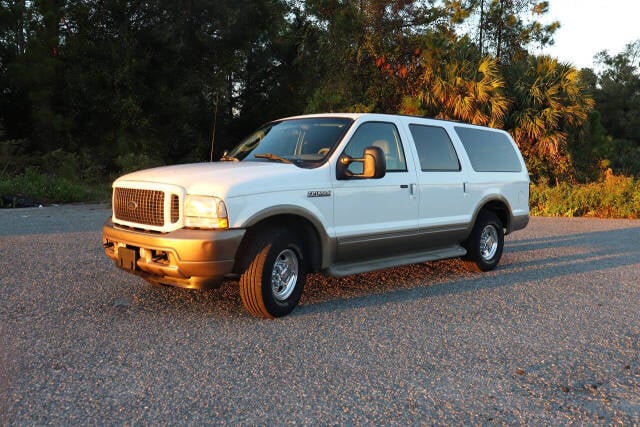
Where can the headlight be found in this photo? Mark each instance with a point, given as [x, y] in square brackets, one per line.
[205, 212]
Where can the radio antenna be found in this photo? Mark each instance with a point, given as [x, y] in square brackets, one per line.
[213, 131]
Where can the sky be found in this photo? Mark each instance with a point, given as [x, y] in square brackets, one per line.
[590, 26]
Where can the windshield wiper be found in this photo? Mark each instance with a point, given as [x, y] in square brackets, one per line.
[226, 158]
[271, 156]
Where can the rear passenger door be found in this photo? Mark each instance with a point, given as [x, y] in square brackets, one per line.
[443, 212]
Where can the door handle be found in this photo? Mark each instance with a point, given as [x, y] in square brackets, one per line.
[412, 188]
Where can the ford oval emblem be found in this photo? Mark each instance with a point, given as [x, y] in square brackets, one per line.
[132, 205]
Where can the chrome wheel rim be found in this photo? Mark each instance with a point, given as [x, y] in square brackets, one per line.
[488, 242]
[284, 275]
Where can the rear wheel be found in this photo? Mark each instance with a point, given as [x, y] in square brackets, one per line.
[484, 246]
[272, 283]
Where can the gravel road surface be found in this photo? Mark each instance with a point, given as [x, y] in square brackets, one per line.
[550, 337]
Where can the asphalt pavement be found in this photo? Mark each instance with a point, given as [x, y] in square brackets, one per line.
[550, 337]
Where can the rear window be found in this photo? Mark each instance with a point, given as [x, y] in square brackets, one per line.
[489, 151]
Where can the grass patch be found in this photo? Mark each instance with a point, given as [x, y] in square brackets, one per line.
[612, 197]
[33, 188]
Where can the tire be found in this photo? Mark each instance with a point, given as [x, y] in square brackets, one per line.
[272, 283]
[484, 245]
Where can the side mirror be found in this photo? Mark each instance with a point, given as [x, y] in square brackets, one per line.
[374, 165]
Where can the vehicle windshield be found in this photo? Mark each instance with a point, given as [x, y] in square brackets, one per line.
[300, 141]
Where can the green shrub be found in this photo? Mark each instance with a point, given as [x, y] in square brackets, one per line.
[612, 197]
[59, 164]
[40, 188]
[12, 156]
[134, 161]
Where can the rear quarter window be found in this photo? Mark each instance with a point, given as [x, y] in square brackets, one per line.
[489, 151]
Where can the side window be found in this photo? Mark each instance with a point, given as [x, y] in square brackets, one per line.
[488, 150]
[435, 148]
[377, 134]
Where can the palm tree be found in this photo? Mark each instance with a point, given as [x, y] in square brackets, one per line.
[457, 89]
[547, 99]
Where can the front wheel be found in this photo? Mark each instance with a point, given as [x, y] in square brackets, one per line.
[272, 283]
[484, 245]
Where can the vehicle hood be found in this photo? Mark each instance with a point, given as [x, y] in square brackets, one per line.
[228, 179]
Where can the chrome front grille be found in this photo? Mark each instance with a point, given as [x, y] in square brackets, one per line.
[175, 208]
[145, 207]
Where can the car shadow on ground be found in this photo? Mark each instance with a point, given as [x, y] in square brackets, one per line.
[524, 261]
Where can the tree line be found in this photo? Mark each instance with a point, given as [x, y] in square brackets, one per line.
[89, 89]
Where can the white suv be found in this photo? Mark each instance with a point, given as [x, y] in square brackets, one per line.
[333, 193]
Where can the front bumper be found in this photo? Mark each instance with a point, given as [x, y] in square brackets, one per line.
[184, 258]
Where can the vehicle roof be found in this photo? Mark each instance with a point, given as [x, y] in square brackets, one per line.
[355, 116]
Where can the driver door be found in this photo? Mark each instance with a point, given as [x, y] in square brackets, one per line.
[376, 217]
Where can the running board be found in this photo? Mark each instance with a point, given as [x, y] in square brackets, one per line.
[346, 269]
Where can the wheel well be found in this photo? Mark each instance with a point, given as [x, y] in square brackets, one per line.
[500, 209]
[303, 228]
